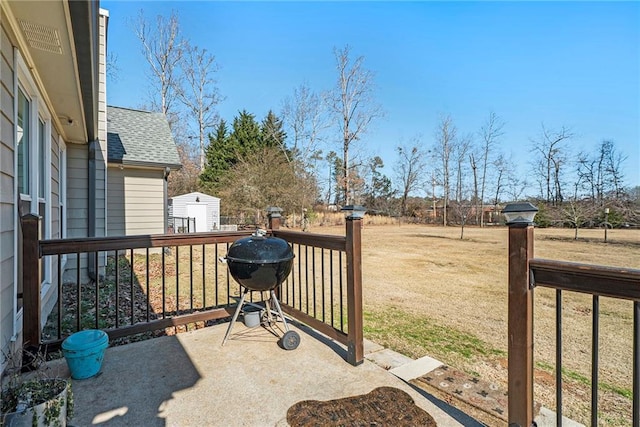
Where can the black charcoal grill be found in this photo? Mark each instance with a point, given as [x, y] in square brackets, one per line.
[261, 263]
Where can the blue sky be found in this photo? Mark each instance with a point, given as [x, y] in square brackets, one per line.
[567, 64]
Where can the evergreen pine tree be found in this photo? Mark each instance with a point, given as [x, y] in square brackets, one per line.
[218, 156]
[245, 137]
[272, 131]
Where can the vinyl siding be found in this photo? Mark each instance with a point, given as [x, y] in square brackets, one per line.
[77, 206]
[77, 190]
[100, 188]
[136, 201]
[7, 193]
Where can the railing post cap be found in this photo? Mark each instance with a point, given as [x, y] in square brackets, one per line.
[354, 211]
[274, 212]
[31, 215]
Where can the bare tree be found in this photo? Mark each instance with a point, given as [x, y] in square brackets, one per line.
[502, 169]
[163, 48]
[588, 173]
[184, 180]
[476, 193]
[334, 164]
[409, 169]
[353, 102]
[575, 211]
[550, 161]
[463, 208]
[460, 149]
[490, 133]
[601, 172]
[462, 204]
[613, 161]
[442, 151]
[508, 180]
[199, 93]
[306, 118]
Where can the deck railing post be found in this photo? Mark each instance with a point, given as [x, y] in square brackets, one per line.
[355, 339]
[274, 219]
[520, 328]
[31, 314]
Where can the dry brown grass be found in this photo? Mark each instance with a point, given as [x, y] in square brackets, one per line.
[457, 288]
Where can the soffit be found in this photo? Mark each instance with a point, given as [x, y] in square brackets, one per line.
[44, 30]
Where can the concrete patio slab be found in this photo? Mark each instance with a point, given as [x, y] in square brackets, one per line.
[189, 379]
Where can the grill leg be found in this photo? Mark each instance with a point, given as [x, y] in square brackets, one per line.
[235, 316]
[277, 304]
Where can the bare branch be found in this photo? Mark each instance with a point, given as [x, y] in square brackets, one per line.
[353, 103]
[199, 93]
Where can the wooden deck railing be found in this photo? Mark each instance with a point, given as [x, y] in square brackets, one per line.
[525, 274]
[184, 269]
[324, 289]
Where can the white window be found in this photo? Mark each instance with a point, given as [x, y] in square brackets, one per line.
[33, 159]
[23, 130]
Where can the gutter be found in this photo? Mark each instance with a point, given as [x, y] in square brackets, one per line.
[141, 163]
[165, 177]
[84, 22]
[91, 204]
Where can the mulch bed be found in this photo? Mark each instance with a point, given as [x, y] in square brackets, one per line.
[384, 406]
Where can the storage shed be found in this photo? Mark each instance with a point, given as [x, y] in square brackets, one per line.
[203, 207]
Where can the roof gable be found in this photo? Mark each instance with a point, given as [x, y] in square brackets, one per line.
[192, 196]
[140, 138]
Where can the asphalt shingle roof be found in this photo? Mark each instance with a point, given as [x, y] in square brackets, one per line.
[140, 137]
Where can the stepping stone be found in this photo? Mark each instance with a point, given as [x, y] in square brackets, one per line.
[416, 368]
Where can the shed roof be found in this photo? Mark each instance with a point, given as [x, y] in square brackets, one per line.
[192, 196]
[140, 138]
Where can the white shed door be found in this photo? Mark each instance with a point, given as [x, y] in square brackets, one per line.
[199, 212]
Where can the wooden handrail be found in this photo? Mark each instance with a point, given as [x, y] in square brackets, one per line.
[96, 244]
[613, 282]
[326, 241]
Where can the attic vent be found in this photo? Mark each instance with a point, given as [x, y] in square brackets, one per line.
[41, 37]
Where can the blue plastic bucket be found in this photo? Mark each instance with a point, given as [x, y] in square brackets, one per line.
[84, 352]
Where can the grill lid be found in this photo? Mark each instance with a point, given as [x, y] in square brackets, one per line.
[258, 249]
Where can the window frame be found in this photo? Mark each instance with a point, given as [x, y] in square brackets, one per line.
[26, 144]
[62, 193]
[38, 114]
[43, 176]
